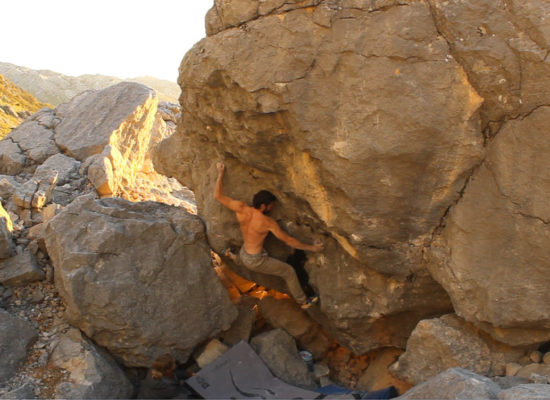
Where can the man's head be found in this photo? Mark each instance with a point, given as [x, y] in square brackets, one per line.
[263, 201]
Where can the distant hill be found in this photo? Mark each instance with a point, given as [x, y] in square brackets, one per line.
[15, 106]
[55, 88]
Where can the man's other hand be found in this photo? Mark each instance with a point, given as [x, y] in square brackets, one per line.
[317, 245]
[220, 167]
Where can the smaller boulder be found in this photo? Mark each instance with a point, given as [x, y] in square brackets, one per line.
[93, 373]
[526, 392]
[25, 391]
[16, 337]
[211, 352]
[242, 327]
[287, 315]
[278, 350]
[377, 375]
[20, 270]
[6, 226]
[63, 167]
[535, 368]
[12, 159]
[455, 383]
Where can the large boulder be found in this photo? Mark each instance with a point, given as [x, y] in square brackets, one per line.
[367, 142]
[493, 251]
[91, 372]
[16, 337]
[137, 278]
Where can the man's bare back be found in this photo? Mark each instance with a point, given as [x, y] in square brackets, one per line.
[255, 225]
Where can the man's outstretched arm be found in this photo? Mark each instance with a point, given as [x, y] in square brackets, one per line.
[291, 241]
[232, 204]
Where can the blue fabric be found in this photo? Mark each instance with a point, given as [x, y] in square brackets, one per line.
[333, 389]
[382, 394]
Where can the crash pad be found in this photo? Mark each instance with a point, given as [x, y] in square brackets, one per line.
[240, 373]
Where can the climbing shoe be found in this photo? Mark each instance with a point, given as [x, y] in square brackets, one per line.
[309, 302]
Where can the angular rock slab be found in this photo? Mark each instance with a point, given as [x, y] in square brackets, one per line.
[90, 119]
[455, 383]
[493, 253]
[114, 126]
[20, 270]
[137, 277]
[278, 351]
[367, 141]
[93, 373]
[16, 337]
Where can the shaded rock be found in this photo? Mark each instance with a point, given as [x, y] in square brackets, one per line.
[93, 373]
[16, 337]
[35, 140]
[455, 383]
[20, 270]
[278, 350]
[26, 391]
[535, 356]
[211, 352]
[8, 185]
[137, 277]
[506, 382]
[286, 314]
[242, 326]
[495, 240]
[330, 121]
[442, 343]
[12, 159]
[526, 392]
[377, 376]
[512, 369]
[63, 167]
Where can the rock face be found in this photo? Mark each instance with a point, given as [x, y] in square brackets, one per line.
[505, 208]
[409, 134]
[137, 277]
[16, 336]
[93, 372]
[331, 122]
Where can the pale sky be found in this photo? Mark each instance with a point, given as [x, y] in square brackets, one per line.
[122, 38]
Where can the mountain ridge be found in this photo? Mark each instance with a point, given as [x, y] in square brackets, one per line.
[55, 88]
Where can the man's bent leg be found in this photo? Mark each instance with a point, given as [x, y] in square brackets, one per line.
[272, 266]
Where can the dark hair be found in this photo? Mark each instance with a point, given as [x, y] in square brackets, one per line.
[263, 197]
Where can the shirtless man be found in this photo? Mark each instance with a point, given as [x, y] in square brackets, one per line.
[255, 226]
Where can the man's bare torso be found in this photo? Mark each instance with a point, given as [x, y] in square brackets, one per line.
[254, 226]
